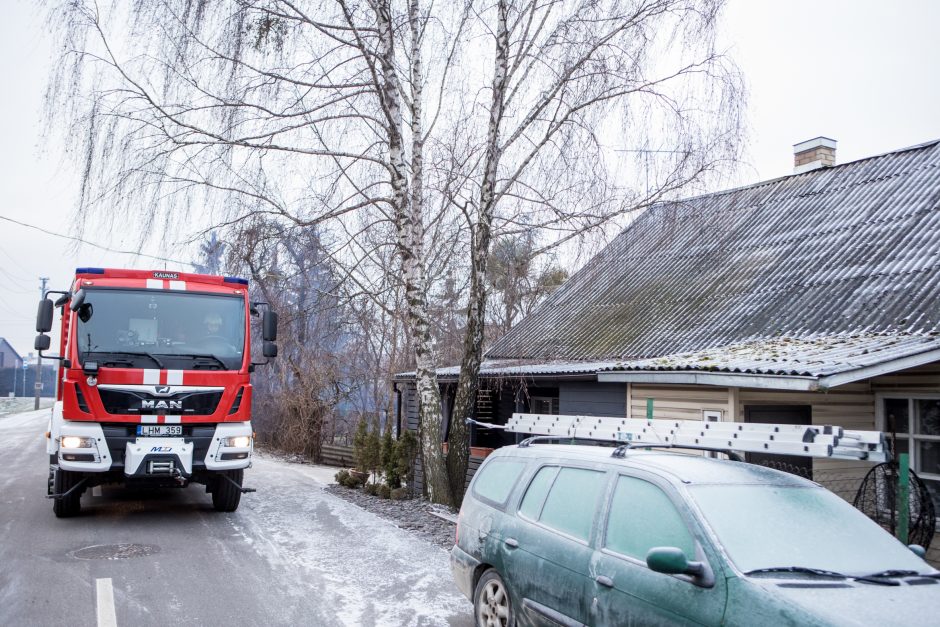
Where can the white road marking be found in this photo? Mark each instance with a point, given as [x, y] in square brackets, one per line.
[105, 603]
[96, 491]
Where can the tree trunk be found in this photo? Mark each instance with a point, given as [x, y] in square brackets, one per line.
[458, 452]
[410, 226]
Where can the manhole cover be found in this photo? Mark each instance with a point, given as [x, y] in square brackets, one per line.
[114, 551]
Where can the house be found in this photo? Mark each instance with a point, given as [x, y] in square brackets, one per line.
[808, 299]
[11, 365]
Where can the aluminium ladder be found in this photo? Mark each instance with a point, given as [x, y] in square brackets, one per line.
[781, 439]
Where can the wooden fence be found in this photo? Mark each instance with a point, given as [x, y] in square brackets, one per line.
[332, 455]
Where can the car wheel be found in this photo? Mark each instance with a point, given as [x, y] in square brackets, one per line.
[491, 604]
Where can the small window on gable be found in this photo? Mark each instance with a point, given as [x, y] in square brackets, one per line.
[496, 479]
[642, 517]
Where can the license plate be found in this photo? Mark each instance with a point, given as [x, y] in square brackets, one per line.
[159, 430]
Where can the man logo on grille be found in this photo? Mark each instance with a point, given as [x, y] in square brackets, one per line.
[162, 389]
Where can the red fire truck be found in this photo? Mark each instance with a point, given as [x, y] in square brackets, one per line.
[153, 383]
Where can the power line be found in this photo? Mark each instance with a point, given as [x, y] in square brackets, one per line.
[93, 244]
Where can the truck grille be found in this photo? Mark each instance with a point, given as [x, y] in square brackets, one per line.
[182, 404]
[118, 435]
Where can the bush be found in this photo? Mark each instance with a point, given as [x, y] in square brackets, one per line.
[367, 449]
[398, 494]
[372, 489]
[360, 439]
[342, 477]
[390, 460]
[406, 451]
[384, 491]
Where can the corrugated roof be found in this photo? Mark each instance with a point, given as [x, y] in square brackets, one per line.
[523, 368]
[850, 249]
[809, 357]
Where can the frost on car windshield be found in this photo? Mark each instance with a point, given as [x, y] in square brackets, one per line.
[764, 526]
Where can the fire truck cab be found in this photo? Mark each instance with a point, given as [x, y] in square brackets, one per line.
[154, 383]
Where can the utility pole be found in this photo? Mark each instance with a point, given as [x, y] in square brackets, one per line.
[38, 383]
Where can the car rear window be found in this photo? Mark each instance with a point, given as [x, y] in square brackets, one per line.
[572, 501]
[642, 517]
[496, 479]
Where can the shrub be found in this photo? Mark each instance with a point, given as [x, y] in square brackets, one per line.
[373, 452]
[384, 491]
[407, 450]
[342, 477]
[360, 439]
[390, 460]
[372, 489]
[398, 494]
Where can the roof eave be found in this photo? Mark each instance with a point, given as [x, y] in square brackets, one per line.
[721, 379]
[885, 367]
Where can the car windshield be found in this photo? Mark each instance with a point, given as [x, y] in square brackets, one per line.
[156, 329]
[766, 526]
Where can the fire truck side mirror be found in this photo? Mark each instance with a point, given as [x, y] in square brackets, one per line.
[269, 349]
[77, 300]
[44, 316]
[42, 342]
[269, 326]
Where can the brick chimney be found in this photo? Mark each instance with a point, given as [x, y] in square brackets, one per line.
[819, 152]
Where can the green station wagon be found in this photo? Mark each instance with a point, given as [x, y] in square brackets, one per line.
[554, 534]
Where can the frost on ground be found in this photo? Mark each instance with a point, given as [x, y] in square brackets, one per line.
[366, 570]
[413, 515]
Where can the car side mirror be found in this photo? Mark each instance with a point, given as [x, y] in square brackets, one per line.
[918, 550]
[42, 342]
[672, 561]
[44, 316]
[269, 326]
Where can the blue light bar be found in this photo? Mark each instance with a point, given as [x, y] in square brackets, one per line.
[89, 270]
[235, 279]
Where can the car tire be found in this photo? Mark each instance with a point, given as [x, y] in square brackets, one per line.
[225, 494]
[492, 606]
[71, 505]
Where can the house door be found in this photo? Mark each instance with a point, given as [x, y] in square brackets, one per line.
[787, 415]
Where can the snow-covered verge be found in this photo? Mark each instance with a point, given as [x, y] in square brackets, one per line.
[366, 570]
[413, 515]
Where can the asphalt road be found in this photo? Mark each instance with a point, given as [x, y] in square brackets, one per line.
[291, 555]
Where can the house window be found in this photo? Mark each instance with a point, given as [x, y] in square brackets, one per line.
[912, 426]
[543, 405]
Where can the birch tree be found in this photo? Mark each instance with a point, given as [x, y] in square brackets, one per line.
[567, 74]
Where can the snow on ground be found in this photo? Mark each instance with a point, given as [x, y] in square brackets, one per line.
[370, 571]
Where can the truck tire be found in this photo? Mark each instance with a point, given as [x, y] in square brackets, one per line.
[225, 494]
[70, 505]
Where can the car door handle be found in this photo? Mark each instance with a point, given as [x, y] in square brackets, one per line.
[605, 581]
[512, 543]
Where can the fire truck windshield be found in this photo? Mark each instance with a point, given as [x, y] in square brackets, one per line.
[156, 329]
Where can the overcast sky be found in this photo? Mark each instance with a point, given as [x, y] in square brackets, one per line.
[859, 71]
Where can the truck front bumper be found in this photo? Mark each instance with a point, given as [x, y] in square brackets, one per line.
[224, 446]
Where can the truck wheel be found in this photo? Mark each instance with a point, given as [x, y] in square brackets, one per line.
[225, 495]
[70, 505]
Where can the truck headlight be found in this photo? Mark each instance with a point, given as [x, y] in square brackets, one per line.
[74, 441]
[238, 441]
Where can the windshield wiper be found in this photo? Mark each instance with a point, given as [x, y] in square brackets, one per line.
[903, 573]
[823, 573]
[194, 356]
[133, 354]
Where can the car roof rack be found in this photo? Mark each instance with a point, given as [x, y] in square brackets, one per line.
[826, 441]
